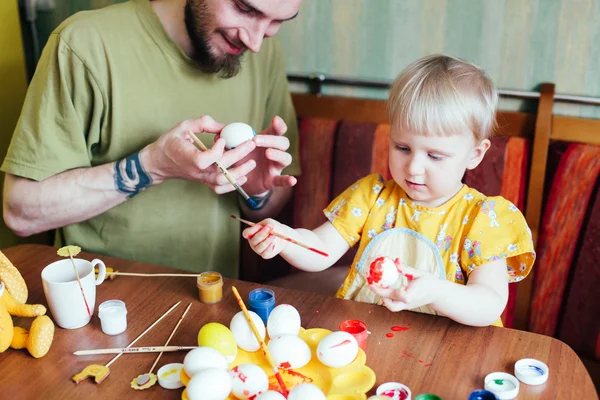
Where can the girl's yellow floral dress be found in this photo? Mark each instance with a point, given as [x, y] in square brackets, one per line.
[450, 241]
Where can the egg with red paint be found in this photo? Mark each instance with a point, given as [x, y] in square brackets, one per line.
[242, 333]
[289, 351]
[283, 320]
[306, 391]
[209, 384]
[271, 395]
[383, 272]
[337, 349]
[248, 381]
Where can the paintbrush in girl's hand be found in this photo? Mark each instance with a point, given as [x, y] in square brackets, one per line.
[260, 340]
[279, 235]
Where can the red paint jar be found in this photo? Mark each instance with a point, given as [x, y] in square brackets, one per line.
[358, 329]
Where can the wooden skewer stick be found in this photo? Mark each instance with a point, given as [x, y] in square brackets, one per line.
[233, 182]
[79, 281]
[143, 333]
[151, 275]
[279, 235]
[129, 350]
[171, 336]
[263, 346]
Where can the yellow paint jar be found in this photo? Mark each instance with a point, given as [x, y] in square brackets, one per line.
[210, 287]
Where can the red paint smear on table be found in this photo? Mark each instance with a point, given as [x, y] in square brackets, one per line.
[399, 328]
[407, 354]
[390, 335]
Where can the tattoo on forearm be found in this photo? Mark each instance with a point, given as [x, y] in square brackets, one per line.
[130, 177]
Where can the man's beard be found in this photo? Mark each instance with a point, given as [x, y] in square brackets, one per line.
[197, 23]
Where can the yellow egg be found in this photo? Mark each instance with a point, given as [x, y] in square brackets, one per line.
[220, 338]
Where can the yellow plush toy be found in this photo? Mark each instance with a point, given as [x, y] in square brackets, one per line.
[13, 295]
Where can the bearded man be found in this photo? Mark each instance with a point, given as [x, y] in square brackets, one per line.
[90, 156]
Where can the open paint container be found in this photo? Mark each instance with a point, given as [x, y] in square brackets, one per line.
[169, 376]
[113, 317]
[358, 329]
[531, 371]
[210, 287]
[394, 390]
[502, 384]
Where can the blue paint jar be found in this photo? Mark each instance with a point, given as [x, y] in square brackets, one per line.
[482, 395]
[262, 301]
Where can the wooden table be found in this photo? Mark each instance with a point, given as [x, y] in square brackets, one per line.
[435, 355]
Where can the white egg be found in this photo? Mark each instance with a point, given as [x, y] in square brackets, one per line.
[337, 349]
[383, 272]
[289, 352]
[204, 358]
[271, 395]
[283, 320]
[249, 380]
[237, 133]
[209, 384]
[305, 391]
[243, 334]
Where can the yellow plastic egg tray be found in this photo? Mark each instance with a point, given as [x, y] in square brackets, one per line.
[351, 382]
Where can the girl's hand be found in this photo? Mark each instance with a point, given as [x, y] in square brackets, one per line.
[262, 242]
[423, 289]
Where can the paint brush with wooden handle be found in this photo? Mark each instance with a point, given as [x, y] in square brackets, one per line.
[233, 182]
[279, 235]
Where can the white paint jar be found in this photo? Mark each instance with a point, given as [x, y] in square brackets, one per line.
[113, 317]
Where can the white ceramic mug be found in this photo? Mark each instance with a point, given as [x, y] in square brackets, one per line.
[64, 295]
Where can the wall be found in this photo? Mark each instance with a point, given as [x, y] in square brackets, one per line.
[521, 43]
[14, 84]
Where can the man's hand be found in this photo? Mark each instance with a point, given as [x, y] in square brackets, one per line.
[270, 158]
[174, 155]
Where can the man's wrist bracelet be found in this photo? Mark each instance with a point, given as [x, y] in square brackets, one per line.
[259, 201]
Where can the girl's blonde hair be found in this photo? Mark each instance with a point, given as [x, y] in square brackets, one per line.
[442, 95]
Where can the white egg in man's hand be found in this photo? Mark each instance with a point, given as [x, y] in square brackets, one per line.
[237, 133]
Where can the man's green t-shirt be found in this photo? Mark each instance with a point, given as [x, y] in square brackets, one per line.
[111, 81]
